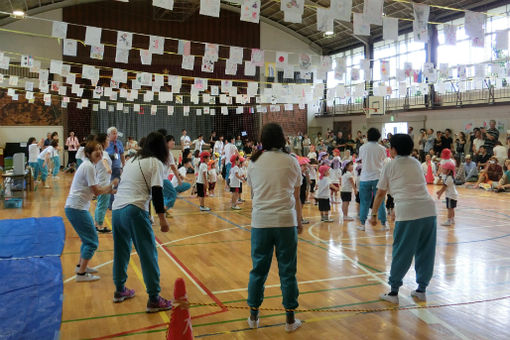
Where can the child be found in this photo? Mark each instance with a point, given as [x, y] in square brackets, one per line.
[235, 179]
[196, 161]
[243, 171]
[43, 159]
[33, 153]
[448, 170]
[347, 186]
[213, 176]
[312, 170]
[335, 175]
[103, 174]
[323, 193]
[303, 162]
[202, 179]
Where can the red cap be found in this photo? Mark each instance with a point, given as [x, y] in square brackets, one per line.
[204, 154]
[233, 158]
[446, 154]
[448, 166]
[336, 151]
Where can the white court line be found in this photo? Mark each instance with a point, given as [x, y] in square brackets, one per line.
[310, 232]
[159, 246]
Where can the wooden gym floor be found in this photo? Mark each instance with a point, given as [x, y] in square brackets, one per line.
[338, 266]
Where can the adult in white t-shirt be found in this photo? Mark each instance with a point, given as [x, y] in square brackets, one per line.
[415, 218]
[275, 180]
[185, 140]
[228, 151]
[199, 143]
[85, 185]
[141, 181]
[218, 146]
[372, 156]
[44, 158]
[33, 153]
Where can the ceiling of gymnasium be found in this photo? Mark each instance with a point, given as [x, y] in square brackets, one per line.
[343, 37]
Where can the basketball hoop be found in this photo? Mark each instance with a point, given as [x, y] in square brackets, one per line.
[370, 110]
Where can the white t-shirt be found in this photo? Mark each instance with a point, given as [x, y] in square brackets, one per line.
[80, 153]
[33, 152]
[171, 161]
[80, 194]
[425, 167]
[346, 181]
[213, 175]
[229, 150]
[48, 151]
[273, 179]
[335, 175]
[403, 179]
[183, 171]
[234, 181]
[501, 153]
[372, 156]
[323, 187]
[312, 155]
[185, 142]
[133, 188]
[198, 144]
[478, 142]
[202, 171]
[218, 147]
[103, 177]
[451, 191]
[313, 173]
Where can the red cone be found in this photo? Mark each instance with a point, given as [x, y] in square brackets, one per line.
[429, 176]
[180, 322]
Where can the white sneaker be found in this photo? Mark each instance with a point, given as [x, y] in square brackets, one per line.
[87, 277]
[329, 219]
[361, 227]
[253, 323]
[205, 209]
[291, 327]
[56, 177]
[88, 270]
[389, 298]
[236, 208]
[348, 218]
[419, 295]
[386, 226]
[446, 223]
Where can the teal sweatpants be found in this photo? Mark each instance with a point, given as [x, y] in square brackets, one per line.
[56, 165]
[84, 225]
[132, 224]
[44, 169]
[102, 205]
[36, 168]
[415, 238]
[264, 241]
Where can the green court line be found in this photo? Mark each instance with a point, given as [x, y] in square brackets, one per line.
[224, 302]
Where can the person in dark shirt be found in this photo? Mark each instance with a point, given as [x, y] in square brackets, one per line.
[340, 141]
[350, 144]
[438, 143]
[483, 157]
[491, 136]
[447, 139]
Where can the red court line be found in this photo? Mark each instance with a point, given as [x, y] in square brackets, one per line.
[129, 332]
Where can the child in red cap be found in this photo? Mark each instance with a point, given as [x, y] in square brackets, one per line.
[202, 179]
[323, 193]
[448, 171]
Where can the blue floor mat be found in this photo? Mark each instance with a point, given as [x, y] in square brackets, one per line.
[31, 287]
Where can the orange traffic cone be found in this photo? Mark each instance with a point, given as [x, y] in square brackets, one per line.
[180, 322]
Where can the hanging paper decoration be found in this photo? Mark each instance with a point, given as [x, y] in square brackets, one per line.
[156, 44]
[304, 61]
[93, 36]
[210, 8]
[390, 28]
[97, 52]
[236, 54]
[385, 69]
[59, 30]
[292, 10]
[250, 11]
[420, 23]
[257, 57]
[341, 9]
[372, 12]
[166, 4]
[450, 34]
[282, 59]
[360, 27]
[502, 40]
[324, 20]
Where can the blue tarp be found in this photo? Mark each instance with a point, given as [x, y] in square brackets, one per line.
[31, 284]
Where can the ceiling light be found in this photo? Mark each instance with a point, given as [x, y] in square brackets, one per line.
[329, 33]
[18, 13]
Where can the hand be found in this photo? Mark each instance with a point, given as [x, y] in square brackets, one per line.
[300, 228]
[164, 225]
[179, 181]
[115, 182]
[373, 220]
[438, 195]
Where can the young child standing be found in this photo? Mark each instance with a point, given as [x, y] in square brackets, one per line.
[213, 177]
[348, 186]
[448, 170]
[103, 173]
[202, 179]
[323, 188]
[235, 178]
[312, 170]
[33, 153]
[303, 163]
[335, 175]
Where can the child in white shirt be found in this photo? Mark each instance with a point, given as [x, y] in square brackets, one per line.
[448, 170]
[235, 178]
[323, 188]
[348, 186]
[103, 174]
[33, 153]
[213, 176]
[312, 170]
[335, 175]
[202, 179]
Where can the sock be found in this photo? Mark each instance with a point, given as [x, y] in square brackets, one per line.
[81, 274]
[392, 293]
[254, 313]
[290, 316]
[421, 289]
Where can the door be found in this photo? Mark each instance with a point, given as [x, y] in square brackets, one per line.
[344, 126]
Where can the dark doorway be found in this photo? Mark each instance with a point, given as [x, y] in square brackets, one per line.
[345, 127]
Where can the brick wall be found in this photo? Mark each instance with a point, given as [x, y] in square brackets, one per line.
[292, 122]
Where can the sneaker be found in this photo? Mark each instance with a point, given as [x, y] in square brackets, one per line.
[104, 230]
[385, 226]
[121, 296]
[446, 223]
[87, 277]
[47, 187]
[160, 305]
[211, 195]
[361, 227]
[348, 218]
[205, 209]
[236, 208]
[389, 298]
[329, 219]
[291, 327]
[89, 270]
[56, 177]
[419, 295]
[253, 323]
[152, 219]
[303, 221]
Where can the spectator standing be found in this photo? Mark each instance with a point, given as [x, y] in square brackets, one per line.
[72, 144]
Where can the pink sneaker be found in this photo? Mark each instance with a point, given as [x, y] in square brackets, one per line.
[159, 305]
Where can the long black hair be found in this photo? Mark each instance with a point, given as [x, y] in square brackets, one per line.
[154, 146]
[31, 140]
[271, 137]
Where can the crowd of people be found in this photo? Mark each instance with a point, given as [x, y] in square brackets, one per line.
[386, 176]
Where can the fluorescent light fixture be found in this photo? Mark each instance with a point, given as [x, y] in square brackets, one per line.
[18, 13]
[329, 33]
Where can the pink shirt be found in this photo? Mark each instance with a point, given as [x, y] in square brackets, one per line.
[72, 143]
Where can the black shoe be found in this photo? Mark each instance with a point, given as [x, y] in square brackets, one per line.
[104, 230]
